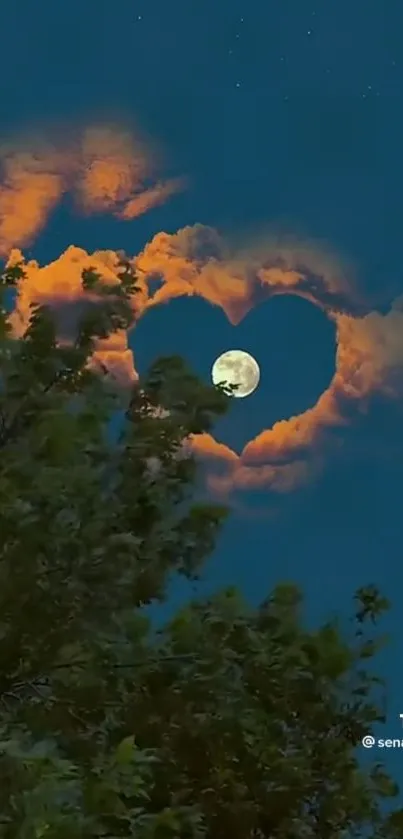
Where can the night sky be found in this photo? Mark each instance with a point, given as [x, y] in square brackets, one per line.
[284, 116]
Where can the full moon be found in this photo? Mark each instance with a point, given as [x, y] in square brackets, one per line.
[236, 367]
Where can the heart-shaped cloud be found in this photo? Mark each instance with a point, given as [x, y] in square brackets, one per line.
[109, 171]
[195, 261]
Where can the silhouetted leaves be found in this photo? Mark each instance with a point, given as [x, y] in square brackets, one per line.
[228, 723]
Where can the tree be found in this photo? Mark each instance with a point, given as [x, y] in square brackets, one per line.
[260, 727]
[230, 722]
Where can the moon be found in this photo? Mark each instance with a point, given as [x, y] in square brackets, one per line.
[236, 367]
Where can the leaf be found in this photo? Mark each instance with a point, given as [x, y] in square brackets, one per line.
[125, 750]
[247, 720]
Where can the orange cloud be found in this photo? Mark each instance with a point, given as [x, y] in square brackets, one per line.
[107, 170]
[195, 261]
[30, 186]
[112, 166]
[110, 170]
[152, 197]
[369, 356]
[59, 284]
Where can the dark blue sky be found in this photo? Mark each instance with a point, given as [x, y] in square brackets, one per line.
[286, 114]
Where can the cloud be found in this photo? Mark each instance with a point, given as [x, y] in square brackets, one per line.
[59, 284]
[369, 356]
[114, 170]
[105, 168]
[152, 197]
[31, 184]
[195, 261]
[109, 170]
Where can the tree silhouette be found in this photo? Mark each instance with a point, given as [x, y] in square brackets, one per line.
[229, 722]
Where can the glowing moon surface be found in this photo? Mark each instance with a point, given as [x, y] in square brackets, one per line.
[236, 367]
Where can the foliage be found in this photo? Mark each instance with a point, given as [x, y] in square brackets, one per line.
[230, 722]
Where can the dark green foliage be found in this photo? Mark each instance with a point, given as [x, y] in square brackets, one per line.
[231, 723]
